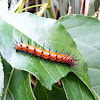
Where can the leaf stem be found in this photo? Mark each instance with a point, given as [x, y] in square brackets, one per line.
[48, 1]
[8, 83]
[50, 9]
[41, 12]
[16, 7]
[33, 7]
[20, 6]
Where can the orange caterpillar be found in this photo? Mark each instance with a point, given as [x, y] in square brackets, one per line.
[52, 56]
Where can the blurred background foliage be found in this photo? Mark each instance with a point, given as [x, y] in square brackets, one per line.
[60, 8]
[63, 7]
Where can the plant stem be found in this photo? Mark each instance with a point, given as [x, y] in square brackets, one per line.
[16, 7]
[8, 83]
[40, 13]
[48, 1]
[69, 11]
[47, 6]
[33, 7]
[50, 9]
[20, 6]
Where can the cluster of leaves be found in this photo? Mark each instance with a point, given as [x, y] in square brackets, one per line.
[74, 33]
[57, 34]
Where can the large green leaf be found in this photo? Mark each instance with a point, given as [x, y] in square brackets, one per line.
[41, 93]
[16, 84]
[1, 78]
[86, 33]
[40, 30]
[75, 89]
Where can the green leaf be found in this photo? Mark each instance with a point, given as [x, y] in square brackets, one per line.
[16, 84]
[41, 93]
[95, 80]
[75, 89]
[86, 33]
[1, 78]
[40, 30]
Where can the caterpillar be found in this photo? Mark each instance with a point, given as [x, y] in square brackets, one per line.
[52, 56]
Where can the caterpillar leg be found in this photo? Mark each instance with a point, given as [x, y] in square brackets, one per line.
[58, 63]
